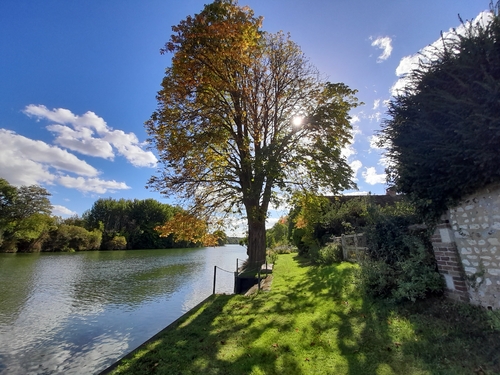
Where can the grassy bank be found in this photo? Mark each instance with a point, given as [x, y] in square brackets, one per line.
[315, 320]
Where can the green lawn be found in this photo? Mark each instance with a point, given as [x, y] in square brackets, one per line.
[315, 320]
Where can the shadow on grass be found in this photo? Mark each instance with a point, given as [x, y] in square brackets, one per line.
[315, 320]
[374, 336]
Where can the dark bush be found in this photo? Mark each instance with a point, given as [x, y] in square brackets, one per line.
[401, 263]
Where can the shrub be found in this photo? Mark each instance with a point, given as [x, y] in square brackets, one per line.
[411, 277]
[401, 265]
[329, 254]
[272, 252]
[117, 243]
[297, 239]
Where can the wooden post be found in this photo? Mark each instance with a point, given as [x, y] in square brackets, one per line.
[344, 247]
[215, 276]
[356, 246]
[258, 279]
[235, 283]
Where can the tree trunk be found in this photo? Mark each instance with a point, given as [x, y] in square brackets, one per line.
[256, 250]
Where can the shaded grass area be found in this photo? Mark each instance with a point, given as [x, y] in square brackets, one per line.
[316, 320]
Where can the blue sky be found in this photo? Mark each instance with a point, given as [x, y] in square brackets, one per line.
[79, 78]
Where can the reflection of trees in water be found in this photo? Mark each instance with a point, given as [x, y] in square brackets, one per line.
[17, 279]
[130, 281]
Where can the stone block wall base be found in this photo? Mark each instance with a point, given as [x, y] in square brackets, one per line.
[456, 296]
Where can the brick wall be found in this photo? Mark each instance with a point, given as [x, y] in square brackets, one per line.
[449, 262]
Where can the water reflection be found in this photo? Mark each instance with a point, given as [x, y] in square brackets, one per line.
[78, 313]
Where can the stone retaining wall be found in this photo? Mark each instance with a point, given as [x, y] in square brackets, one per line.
[467, 248]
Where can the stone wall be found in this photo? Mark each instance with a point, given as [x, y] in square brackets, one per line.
[467, 248]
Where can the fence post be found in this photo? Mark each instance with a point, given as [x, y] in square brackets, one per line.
[356, 247]
[235, 289]
[344, 246]
[215, 275]
[258, 279]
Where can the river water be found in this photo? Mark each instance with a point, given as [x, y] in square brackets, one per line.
[77, 313]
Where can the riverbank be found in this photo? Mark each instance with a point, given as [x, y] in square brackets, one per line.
[316, 320]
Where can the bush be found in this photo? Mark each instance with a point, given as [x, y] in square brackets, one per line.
[329, 254]
[72, 238]
[413, 276]
[401, 265]
[297, 239]
[117, 243]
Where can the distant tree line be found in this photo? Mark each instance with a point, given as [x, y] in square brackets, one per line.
[27, 225]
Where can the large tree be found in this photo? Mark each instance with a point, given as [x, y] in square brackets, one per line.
[243, 114]
[443, 132]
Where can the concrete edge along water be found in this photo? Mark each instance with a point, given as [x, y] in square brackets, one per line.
[112, 367]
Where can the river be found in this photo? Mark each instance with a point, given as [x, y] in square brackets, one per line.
[77, 313]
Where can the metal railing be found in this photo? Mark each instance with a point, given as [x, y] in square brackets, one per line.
[215, 276]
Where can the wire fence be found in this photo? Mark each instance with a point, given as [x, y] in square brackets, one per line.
[224, 277]
[256, 271]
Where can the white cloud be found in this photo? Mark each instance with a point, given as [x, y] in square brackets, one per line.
[90, 135]
[371, 177]
[374, 142]
[385, 44]
[91, 185]
[377, 116]
[376, 103]
[62, 211]
[82, 141]
[32, 173]
[271, 221]
[384, 161]
[356, 130]
[19, 150]
[348, 151]
[355, 166]
[128, 145]
[24, 161]
[410, 63]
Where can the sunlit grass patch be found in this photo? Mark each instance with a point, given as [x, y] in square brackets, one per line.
[316, 320]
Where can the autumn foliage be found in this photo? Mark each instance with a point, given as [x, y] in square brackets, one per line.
[186, 227]
[224, 127]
